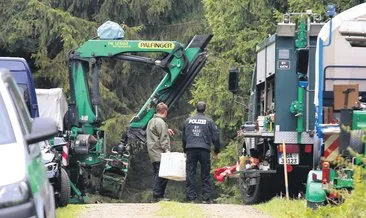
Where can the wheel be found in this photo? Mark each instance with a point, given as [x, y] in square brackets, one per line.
[250, 188]
[64, 189]
[356, 141]
[120, 192]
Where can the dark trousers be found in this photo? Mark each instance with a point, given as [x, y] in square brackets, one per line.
[194, 156]
[159, 184]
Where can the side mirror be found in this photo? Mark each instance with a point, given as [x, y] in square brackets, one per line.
[233, 79]
[42, 129]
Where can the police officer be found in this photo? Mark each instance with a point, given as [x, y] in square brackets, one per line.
[199, 132]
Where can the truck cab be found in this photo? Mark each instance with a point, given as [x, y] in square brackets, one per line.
[22, 75]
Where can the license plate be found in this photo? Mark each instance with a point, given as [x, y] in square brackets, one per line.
[292, 158]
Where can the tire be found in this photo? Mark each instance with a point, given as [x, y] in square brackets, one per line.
[64, 195]
[356, 141]
[120, 192]
[250, 194]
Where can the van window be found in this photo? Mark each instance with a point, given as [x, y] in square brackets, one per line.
[19, 104]
[6, 130]
[24, 92]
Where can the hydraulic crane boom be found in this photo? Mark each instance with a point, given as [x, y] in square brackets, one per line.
[180, 63]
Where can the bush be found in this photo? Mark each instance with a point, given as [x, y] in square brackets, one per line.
[227, 192]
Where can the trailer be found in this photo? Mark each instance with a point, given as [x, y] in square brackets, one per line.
[340, 97]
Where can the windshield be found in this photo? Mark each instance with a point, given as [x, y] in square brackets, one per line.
[6, 130]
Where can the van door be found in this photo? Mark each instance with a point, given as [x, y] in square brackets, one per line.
[36, 170]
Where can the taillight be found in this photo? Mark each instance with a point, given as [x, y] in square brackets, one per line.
[290, 148]
[280, 148]
[325, 172]
[308, 148]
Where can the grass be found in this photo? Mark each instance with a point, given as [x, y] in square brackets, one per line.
[278, 207]
[355, 206]
[179, 210]
[72, 210]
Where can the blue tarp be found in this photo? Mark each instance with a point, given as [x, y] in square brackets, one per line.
[110, 30]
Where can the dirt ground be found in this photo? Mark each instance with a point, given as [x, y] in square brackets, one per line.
[149, 210]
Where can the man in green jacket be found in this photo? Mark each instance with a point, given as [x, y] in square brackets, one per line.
[158, 141]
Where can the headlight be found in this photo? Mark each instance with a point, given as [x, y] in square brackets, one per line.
[14, 194]
[51, 167]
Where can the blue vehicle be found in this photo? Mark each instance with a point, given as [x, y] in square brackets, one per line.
[23, 77]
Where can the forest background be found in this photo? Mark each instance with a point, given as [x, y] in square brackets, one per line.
[43, 31]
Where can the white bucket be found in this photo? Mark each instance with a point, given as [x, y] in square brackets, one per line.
[173, 166]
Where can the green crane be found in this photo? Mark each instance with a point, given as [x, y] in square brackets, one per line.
[89, 167]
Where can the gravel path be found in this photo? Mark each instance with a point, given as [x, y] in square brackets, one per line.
[149, 210]
[231, 210]
[119, 210]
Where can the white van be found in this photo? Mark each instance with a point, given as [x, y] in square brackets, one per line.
[24, 188]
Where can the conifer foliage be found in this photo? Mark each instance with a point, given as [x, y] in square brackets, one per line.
[44, 31]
